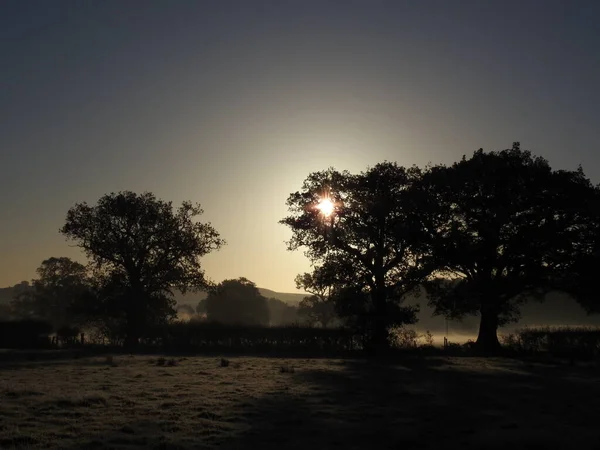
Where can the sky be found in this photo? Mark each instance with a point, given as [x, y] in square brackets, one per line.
[233, 103]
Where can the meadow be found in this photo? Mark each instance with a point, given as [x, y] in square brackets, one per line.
[428, 402]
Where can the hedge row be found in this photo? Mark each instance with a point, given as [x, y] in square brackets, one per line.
[564, 342]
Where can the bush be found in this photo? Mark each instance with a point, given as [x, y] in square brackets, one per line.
[25, 334]
[216, 337]
[407, 338]
[565, 342]
[404, 338]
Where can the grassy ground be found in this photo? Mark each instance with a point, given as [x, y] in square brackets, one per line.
[263, 403]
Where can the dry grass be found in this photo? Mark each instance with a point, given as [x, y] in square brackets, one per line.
[134, 402]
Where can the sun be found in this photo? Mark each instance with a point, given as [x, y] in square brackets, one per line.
[326, 207]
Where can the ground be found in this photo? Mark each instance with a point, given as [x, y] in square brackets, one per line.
[436, 402]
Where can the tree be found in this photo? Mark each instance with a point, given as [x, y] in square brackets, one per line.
[142, 249]
[8, 296]
[280, 313]
[318, 307]
[54, 296]
[201, 307]
[513, 231]
[580, 275]
[237, 302]
[372, 229]
[315, 309]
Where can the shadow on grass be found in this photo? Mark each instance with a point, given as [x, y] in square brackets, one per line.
[430, 403]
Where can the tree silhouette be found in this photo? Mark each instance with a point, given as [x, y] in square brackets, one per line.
[142, 249]
[375, 238]
[512, 232]
[280, 313]
[318, 307]
[55, 294]
[580, 276]
[237, 302]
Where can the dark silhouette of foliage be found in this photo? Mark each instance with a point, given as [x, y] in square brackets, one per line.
[237, 302]
[25, 334]
[254, 339]
[201, 307]
[142, 249]
[512, 233]
[318, 307]
[580, 275]
[54, 296]
[376, 238]
[8, 296]
[281, 313]
[562, 342]
[317, 310]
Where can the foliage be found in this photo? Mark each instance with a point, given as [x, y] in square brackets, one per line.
[408, 338]
[318, 307]
[569, 342]
[316, 310]
[201, 307]
[280, 313]
[376, 239]
[513, 228]
[55, 295]
[355, 308]
[23, 334]
[237, 302]
[218, 337]
[142, 249]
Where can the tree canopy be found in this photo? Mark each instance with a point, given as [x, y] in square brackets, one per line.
[237, 302]
[54, 296]
[142, 248]
[318, 307]
[514, 230]
[374, 236]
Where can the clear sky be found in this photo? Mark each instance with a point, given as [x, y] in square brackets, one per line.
[232, 103]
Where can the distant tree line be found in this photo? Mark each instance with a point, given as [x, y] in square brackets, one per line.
[482, 236]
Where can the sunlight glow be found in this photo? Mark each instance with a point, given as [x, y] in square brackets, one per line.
[326, 207]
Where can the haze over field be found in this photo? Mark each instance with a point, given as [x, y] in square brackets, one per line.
[232, 104]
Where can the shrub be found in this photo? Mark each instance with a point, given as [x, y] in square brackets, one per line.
[25, 334]
[571, 342]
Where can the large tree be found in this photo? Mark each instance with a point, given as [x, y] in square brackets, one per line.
[237, 302]
[54, 296]
[142, 248]
[514, 230]
[373, 229]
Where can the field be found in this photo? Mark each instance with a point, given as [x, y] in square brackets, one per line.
[130, 402]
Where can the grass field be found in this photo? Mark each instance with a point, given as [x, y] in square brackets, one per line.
[437, 402]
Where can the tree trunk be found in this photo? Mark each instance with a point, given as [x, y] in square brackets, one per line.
[133, 318]
[487, 340]
[379, 337]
